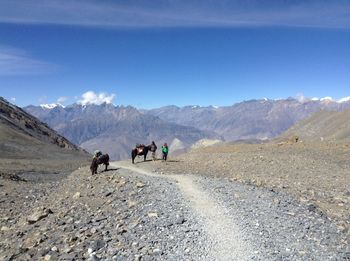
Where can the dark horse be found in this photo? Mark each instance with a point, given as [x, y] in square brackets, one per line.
[102, 159]
[139, 151]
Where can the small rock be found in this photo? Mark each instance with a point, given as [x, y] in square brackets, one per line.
[98, 244]
[152, 214]
[93, 258]
[54, 249]
[93, 230]
[311, 207]
[180, 220]
[39, 214]
[132, 203]
[140, 185]
[76, 195]
[157, 251]
[3, 228]
[108, 193]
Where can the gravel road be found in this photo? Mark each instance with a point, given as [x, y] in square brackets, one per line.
[245, 222]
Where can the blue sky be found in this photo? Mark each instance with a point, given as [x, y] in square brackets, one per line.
[154, 53]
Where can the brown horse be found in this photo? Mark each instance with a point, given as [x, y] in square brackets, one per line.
[102, 159]
[139, 151]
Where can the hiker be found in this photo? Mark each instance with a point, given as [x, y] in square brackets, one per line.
[165, 151]
[153, 148]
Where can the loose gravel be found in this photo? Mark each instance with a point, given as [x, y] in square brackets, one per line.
[130, 213]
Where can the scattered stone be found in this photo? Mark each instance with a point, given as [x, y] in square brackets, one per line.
[140, 185]
[152, 214]
[180, 220]
[311, 207]
[132, 204]
[108, 193]
[96, 245]
[39, 214]
[76, 195]
[4, 229]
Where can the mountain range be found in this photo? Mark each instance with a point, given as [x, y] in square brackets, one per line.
[116, 129]
[249, 120]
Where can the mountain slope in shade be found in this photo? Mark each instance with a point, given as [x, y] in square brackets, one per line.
[33, 144]
[19, 121]
[323, 126]
[255, 119]
[115, 129]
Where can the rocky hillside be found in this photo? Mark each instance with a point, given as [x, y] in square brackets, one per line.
[323, 126]
[115, 129]
[28, 145]
[255, 119]
[22, 124]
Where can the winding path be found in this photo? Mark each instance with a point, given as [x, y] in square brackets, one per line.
[226, 240]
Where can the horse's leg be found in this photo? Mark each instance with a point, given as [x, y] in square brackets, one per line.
[133, 157]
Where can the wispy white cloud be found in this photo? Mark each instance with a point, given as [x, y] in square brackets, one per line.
[165, 13]
[62, 99]
[18, 62]
[91, 97]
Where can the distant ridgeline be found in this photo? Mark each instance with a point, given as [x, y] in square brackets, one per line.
[116, 129]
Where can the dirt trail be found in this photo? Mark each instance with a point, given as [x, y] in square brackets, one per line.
[226, 240]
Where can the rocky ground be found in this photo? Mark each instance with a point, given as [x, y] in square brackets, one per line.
[117, 215]
[314, 173]
[239, 202]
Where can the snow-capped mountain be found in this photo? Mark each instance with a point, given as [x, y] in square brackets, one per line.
[51, 106]
[254, 119]
[115, 129]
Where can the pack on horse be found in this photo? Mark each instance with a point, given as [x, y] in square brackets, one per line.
[139, 150]
[98, 159]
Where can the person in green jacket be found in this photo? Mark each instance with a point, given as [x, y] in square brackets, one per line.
[165, 151]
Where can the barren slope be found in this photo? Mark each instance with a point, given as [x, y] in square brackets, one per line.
[324, 125]
[26, 144]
